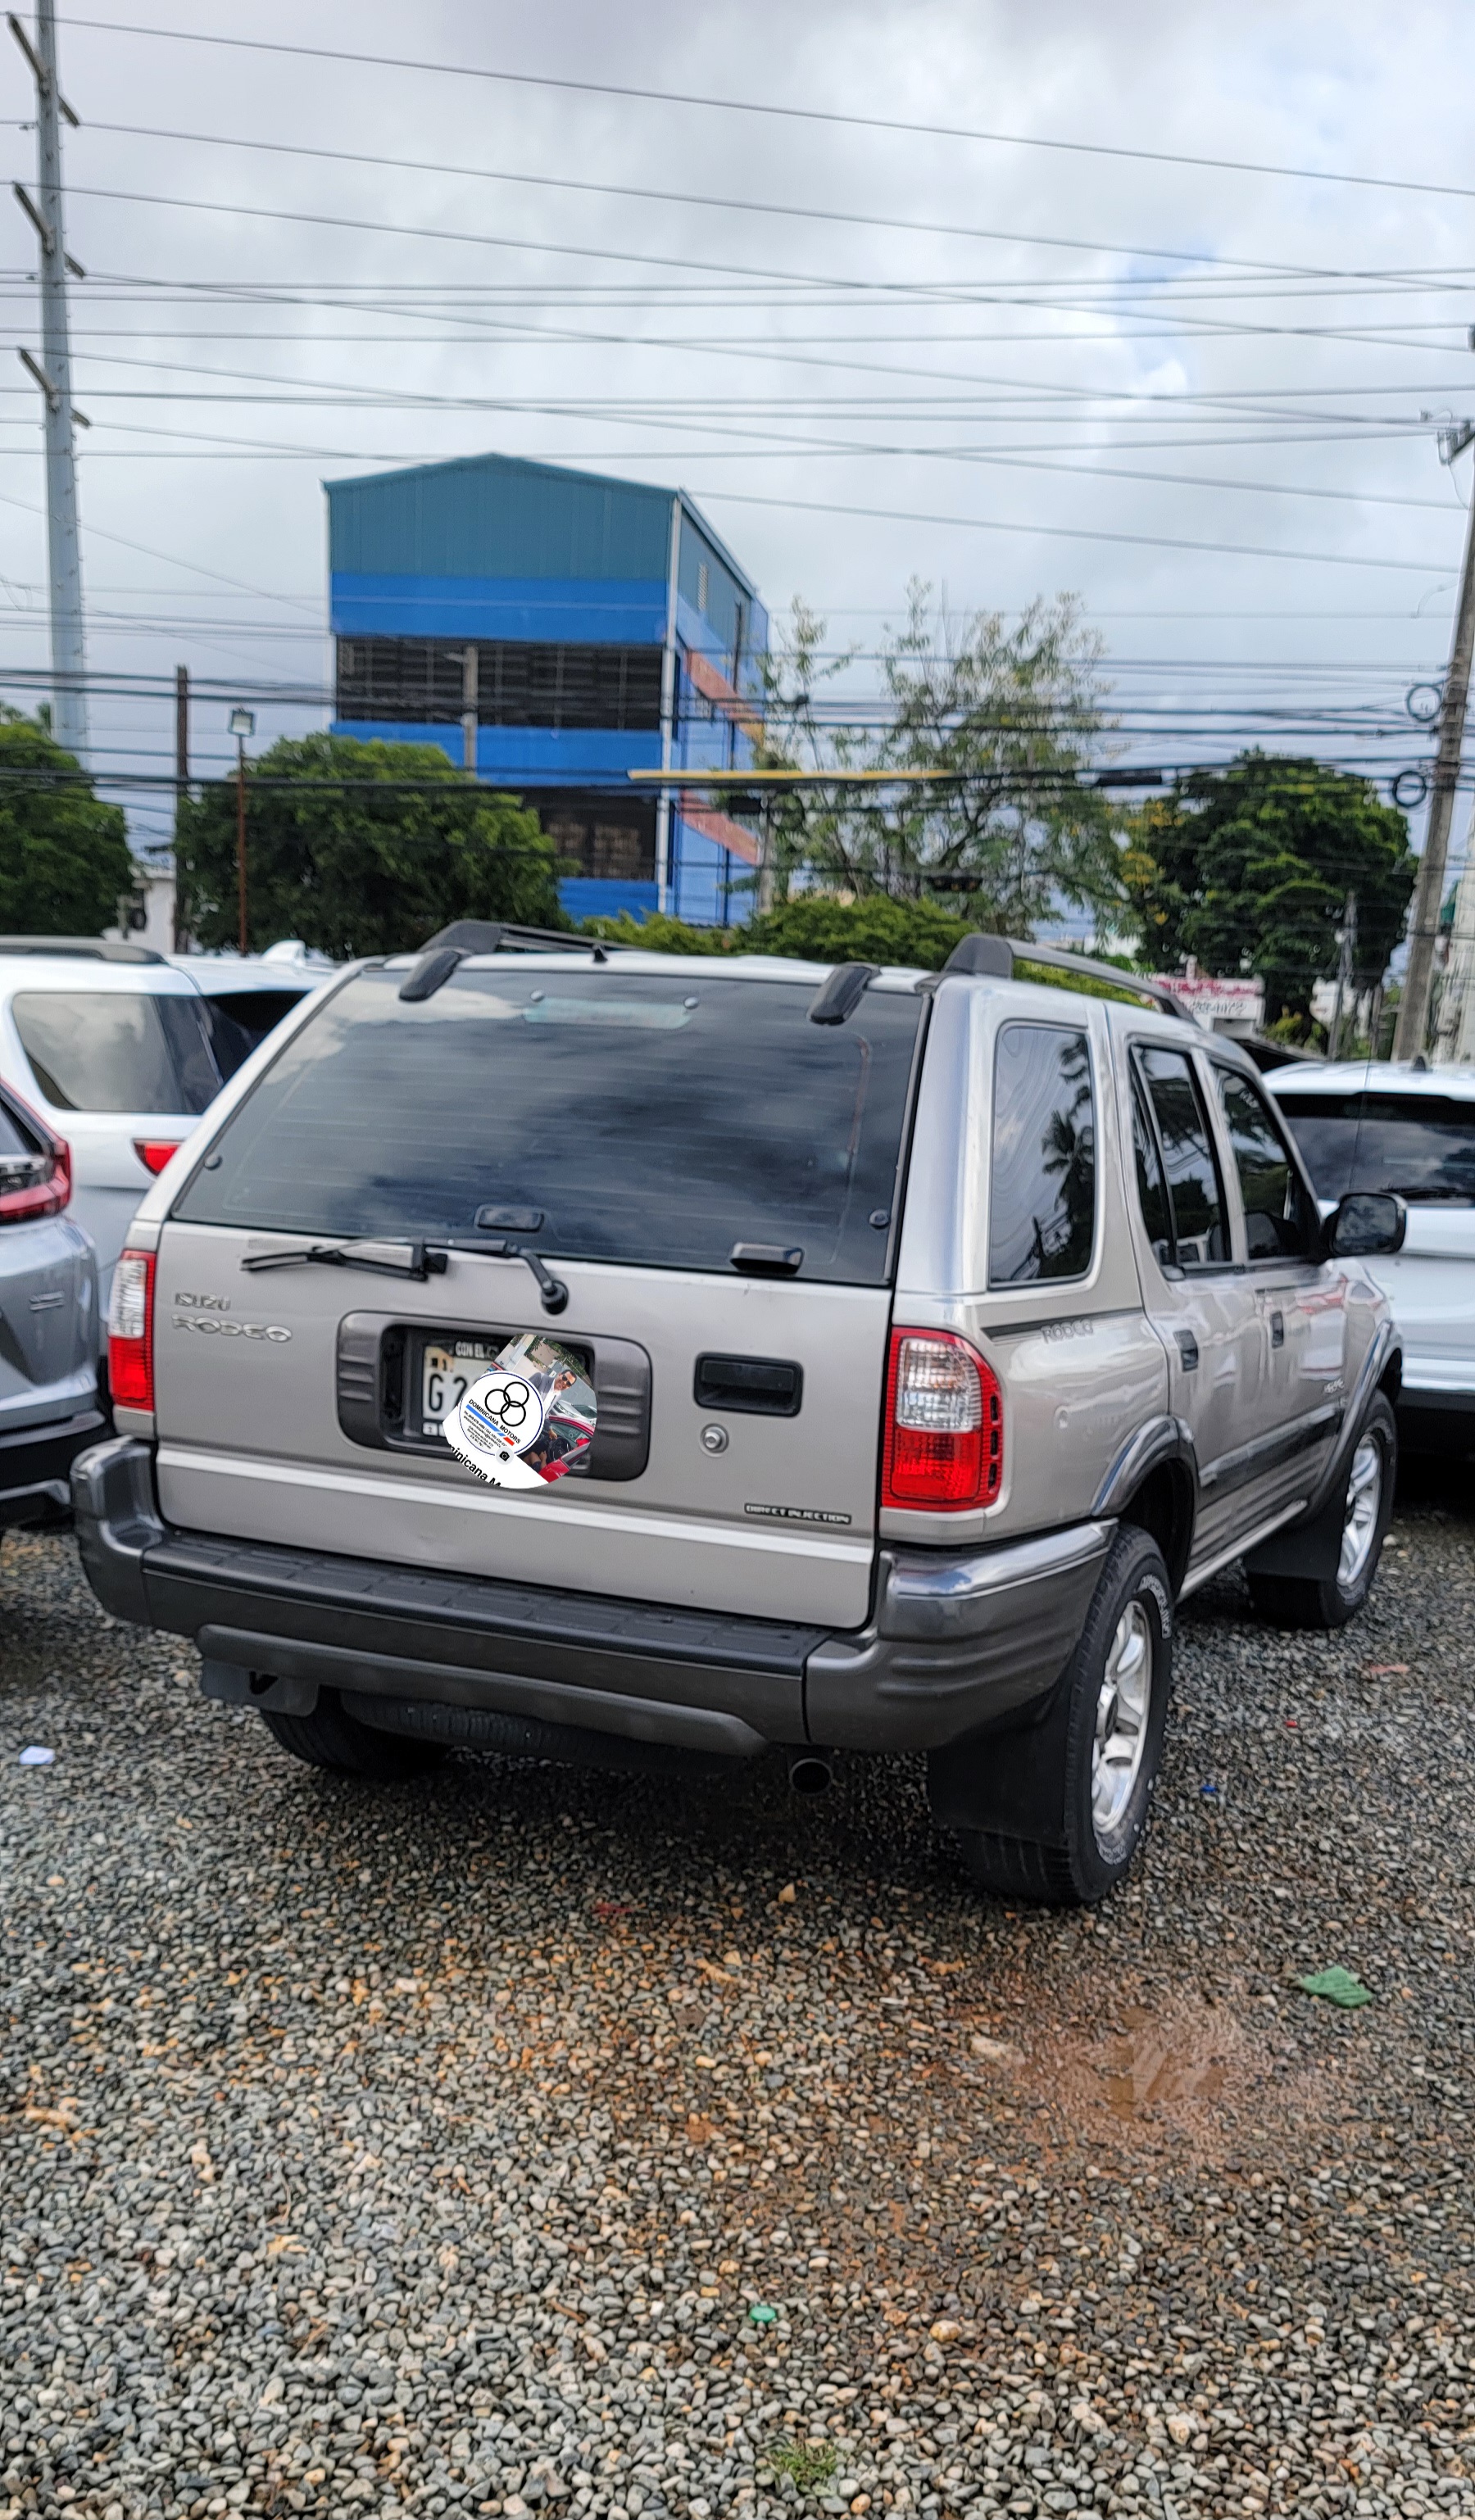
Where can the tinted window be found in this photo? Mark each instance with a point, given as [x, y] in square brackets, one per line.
[96, 1051]
[640, 1117]
[1043, 1201]
[1280, 1221]
[1152, 1189]
[239, 1019]
[1195, 1194]
[1420, 1144]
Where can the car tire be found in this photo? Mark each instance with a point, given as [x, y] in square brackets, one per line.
[331, 1738]
[1088, 1771]
[1362, 1516]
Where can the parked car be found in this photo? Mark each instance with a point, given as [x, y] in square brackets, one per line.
[944, 1331]
[1376, 1126]
[121, 1051]
[48, 1321]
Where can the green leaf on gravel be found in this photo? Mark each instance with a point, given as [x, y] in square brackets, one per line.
[810, 2464]
[1338, 1985]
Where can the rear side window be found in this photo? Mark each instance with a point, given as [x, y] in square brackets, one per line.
[1042, 1197]
[1280, 1218]
[596, 1115]
[1180, 1126]
[95, 1049]
[1420, 1144]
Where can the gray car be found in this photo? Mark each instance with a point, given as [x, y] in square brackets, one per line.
[939, 1333]
[48, 1321]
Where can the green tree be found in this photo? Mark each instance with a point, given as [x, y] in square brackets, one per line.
[64, 859]
[1014, 714]
[1248, 869]
[811, 926]
[360, 848]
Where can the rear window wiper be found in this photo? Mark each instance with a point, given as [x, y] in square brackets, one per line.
[388, 1259]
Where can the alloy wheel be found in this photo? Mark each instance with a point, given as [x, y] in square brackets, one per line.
[1365, 1497]
[1122, 1710]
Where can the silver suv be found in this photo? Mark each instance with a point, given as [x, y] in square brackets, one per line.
[937, 1333]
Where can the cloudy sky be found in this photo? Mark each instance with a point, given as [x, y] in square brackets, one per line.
[1203, 398]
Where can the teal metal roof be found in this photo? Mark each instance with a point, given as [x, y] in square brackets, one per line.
[500, 516]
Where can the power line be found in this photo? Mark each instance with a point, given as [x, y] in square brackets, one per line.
[726, 204]
[690, 262]
[462, 71]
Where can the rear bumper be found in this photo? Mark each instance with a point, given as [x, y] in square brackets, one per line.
[959, 1641]
[34, 1464]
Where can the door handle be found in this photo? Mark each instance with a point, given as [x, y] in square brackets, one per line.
[1277, 1329]
[1187, 1350]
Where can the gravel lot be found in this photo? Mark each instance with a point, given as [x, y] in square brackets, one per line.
[450, 2146]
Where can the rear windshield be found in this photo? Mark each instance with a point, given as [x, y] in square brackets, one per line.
[1419, 1144]
[95, 1049]
[596, 1115]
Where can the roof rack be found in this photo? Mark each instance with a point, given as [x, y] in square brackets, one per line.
[83, 949]
[994, 957]
[498, 936]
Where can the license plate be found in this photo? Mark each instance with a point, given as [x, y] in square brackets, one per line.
[447, 1375]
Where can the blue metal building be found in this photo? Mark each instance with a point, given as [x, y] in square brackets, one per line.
[561, 629]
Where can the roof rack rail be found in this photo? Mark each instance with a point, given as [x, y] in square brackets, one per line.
[508, 936]
[994, 957]
[82, 949]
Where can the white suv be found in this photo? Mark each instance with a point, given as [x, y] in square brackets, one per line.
[121, 1051]
[1371, 1125]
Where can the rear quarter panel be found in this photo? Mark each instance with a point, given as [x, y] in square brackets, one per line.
[1078, 1364]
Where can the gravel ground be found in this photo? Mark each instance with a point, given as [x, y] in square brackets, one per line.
[524, 2138]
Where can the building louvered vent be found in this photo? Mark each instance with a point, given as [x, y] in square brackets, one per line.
[519, 682]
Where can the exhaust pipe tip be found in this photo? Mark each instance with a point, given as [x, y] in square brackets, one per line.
[811, 1773]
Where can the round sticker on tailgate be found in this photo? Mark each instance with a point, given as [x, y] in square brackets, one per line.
[530, 1421]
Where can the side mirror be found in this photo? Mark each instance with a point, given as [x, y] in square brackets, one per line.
[1365, 1224]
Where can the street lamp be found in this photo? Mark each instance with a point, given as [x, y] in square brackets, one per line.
[241, 723]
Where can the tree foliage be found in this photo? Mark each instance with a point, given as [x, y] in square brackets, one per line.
[64, 861]
[814, 927]
[1015, 715]
[1249, 868]
[360, 848]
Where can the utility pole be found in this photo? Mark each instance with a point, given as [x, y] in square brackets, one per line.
[1347, 939]
[1428, 897]
[53, 374]
[181, 779]
[470, 707]
[242, 723]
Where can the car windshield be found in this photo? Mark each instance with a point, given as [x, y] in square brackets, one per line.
[1420, 1144]
[117, 1050]
[596, 1113]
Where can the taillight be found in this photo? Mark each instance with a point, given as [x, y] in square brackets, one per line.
[944, 1425]
[155, 1152]
[130, 1332]
[35, 1180]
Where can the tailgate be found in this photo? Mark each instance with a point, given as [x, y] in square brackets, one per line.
[779, 1523]
[714, 1178]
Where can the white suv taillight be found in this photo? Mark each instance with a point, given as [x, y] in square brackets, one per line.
[944, 1428]
[130, 1332]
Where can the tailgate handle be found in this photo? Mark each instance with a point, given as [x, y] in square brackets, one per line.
[759, 1386]
[1277, 1329]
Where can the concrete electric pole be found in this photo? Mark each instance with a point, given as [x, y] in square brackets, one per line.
[1423, 930]
[53, 374]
